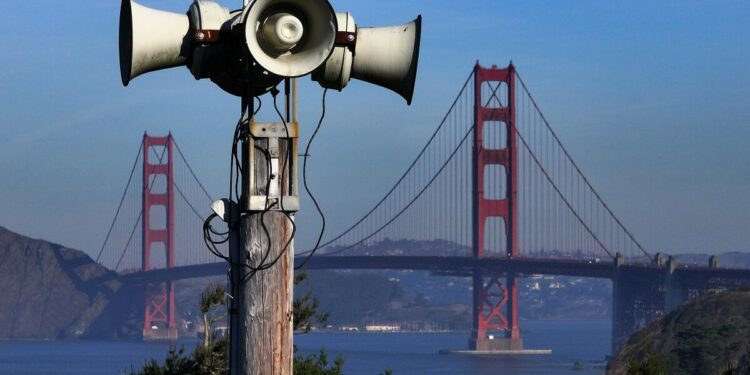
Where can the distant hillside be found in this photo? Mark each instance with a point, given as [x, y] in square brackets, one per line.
[703, 336]
[541, 296]
[48, 291]
[405, 247]
[731, 260]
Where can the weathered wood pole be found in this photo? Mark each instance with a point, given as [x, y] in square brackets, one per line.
[265, 296]
[266, 315]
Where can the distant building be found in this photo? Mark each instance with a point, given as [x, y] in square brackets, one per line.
[382, 328]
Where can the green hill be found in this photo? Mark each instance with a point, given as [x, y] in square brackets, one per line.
[707, 335]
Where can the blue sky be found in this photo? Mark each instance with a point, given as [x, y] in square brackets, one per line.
[651, 98]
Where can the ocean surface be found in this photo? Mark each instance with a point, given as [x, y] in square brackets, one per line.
[586, 342]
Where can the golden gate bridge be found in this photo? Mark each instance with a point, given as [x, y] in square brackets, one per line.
[493, 185]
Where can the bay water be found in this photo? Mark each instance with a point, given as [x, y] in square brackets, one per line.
[578, 347]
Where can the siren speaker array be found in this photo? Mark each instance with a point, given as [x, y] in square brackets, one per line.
[384, 56]
[150, 40]
[290, 38]
[249, 51]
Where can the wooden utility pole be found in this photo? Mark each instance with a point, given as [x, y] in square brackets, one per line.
[263, 335]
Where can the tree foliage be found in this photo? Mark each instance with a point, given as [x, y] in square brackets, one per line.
[318, 365]
[706, 335]
[214, 361]
[212, 297]
[649, 364]
[211, 358]
[305, 309]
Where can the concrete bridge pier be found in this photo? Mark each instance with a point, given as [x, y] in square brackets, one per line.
[641, 296]
[675, 293]
[638, 299]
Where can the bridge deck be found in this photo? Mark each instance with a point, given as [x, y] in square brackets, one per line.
[457, 266]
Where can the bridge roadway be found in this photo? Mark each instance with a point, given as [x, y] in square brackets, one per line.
[641, 293]
[463, 266]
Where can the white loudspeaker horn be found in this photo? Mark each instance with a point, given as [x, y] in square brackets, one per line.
[150, 40]
[384, 56]
[290, 38]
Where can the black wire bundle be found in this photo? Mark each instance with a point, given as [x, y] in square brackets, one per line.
[213, 238]
[210, 242]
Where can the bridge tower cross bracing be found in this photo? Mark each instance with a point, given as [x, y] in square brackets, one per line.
[160, 307]
[495, 303]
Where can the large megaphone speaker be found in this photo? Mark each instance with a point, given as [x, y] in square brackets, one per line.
[384, 56]
[150, 40]
[290, 38]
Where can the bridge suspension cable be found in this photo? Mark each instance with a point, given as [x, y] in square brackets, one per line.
[577, 168]
[557, 190]
[406, 207]
[140, 216]
[429, 207]
[553, 200]
[120, 250]
[192, 173]
[405, 174]
[122, 200]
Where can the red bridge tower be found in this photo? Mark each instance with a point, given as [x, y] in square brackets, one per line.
[495, 299]
[159, 321]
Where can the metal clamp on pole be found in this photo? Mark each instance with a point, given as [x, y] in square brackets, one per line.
[346, 39]
[208, 36]
[276, 188]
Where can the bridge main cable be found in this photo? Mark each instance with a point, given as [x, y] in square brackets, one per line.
[122, 200]
[405, 174]
[578, 169]
[465, 137]
[560, 194]
[179, 151]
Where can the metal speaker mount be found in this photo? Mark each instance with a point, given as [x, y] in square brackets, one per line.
[290, 38]
[384, 56]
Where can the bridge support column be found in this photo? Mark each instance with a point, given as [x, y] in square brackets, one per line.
[618, 306]
[675, 294]
[638, 296]
[495, 297]
[493, 310]
[159, 315]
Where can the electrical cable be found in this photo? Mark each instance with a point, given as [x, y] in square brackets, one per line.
[260, 105]
[407, 171]
[263, 265]
[236, 171]
[234, 166]
[421, 192]
[267, 208]
[307, 189]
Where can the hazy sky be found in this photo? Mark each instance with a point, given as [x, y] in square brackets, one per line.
[651, 98]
